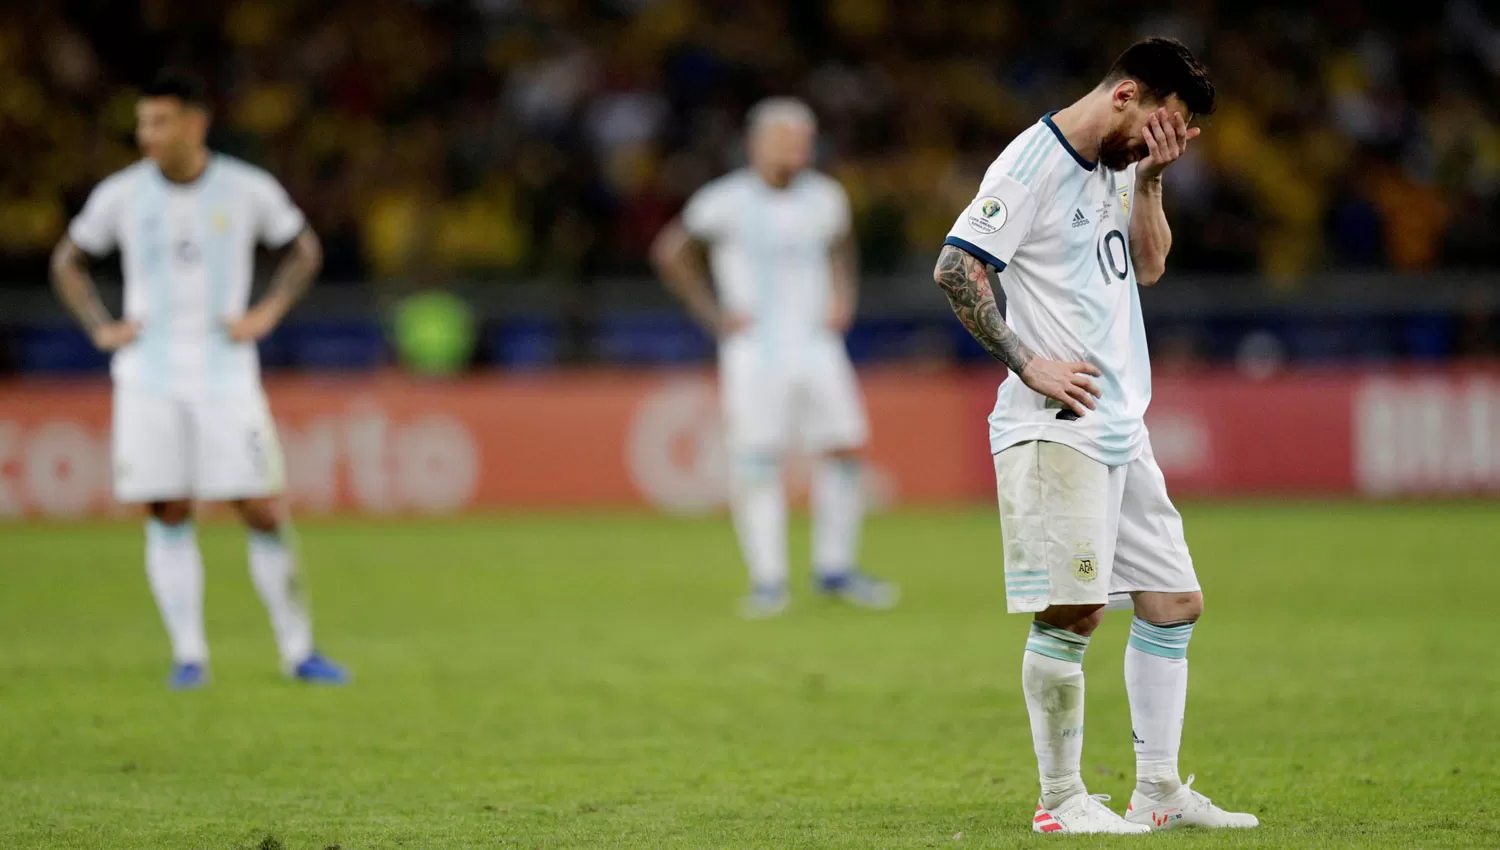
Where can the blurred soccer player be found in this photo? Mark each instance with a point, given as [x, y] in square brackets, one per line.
[782, 255]
[190, 419]
[1068, 220]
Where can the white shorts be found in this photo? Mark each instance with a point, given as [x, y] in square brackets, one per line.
[214, 449]
[1078, 532]
[810, 401]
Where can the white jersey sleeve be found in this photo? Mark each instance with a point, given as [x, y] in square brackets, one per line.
[999, 219]
[96, 229]
[277, 220]
[709, 212]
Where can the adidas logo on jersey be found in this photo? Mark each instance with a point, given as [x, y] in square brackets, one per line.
[1079, 219]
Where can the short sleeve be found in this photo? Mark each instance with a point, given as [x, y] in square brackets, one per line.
[277, 219]
[707, 214]
[96, 229]
[997, 221]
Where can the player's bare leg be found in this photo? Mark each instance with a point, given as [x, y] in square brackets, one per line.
[273, 568]
[837, 514]
[1052, 680]
[1156, 672]
[174, 569]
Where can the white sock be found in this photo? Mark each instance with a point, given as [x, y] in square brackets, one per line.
[759, 508]
[837, 511]
[174, 568]
[1052, 679]
[1156, 672]
[273, 568]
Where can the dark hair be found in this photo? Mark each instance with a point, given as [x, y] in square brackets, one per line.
[1164, 67]
[183, 85]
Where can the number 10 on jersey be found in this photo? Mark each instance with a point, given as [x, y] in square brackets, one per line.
[1113, 254]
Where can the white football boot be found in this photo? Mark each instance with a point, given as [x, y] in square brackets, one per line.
[1084, 814]
[1182, 808]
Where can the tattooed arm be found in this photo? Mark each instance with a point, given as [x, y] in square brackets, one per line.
[289, 283]
[71, 280]
[970, 286]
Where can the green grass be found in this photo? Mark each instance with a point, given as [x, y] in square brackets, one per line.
[581, 682]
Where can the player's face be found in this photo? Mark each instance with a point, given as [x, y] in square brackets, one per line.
[784, 148]
[1125, 143]
[168, 130]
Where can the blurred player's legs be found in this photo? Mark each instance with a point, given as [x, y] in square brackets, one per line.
[772, 404]
[167, 452]
[838, 505]
[758, 503]
[831, 423]
[273, 569]
[756, 404]
[174, 569]
[151, 465]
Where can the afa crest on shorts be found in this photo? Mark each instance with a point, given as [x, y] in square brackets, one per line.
[987, 215]
[1085, 562]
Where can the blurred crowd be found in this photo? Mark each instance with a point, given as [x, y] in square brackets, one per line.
[553, 137]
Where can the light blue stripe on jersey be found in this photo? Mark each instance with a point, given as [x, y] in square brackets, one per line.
[1036, 165]
[213, 200]
[156, 277]
[1037, 138]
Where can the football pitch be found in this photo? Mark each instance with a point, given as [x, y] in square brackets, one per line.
[582, 681]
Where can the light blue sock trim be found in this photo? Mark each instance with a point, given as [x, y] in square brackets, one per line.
[757, 467]
[158, 530]
[844, 465]
[266, 538]
[1056, 643]
[1161, 641]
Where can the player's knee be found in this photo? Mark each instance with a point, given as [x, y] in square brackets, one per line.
[1078, 619]
[848, 456]
[753, 469]
[175, 512]
[1167, 608]
[259, 515]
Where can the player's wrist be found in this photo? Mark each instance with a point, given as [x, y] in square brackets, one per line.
[93, 323]
[272, 309]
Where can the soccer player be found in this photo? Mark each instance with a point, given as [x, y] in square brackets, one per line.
[1069, 220]
[781, 250]
[190, 419]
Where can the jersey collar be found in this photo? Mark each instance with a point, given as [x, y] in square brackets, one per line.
[1087, 165]
[198, 182]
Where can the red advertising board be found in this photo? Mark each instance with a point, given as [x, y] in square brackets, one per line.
[622, 439]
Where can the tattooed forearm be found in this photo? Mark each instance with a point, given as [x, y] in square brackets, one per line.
[71, 280]
[296, 273]
[971, 293]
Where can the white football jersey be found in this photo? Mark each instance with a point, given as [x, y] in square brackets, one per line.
[188, 256]
[1058, 227]
[769, 252]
